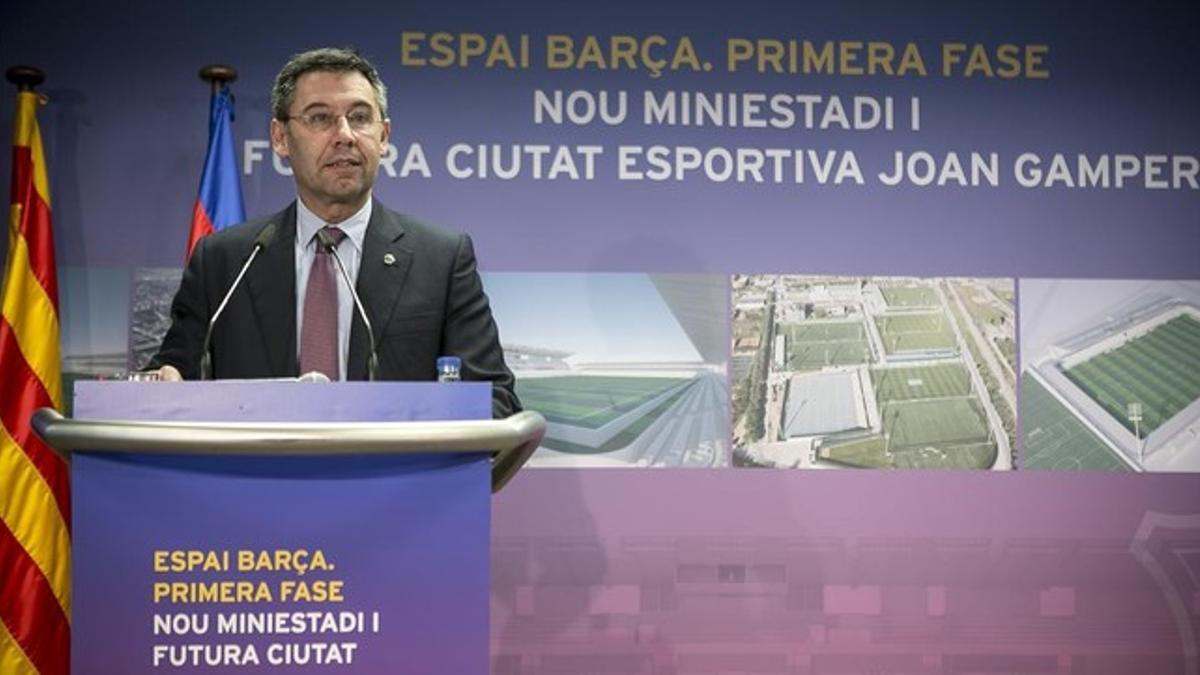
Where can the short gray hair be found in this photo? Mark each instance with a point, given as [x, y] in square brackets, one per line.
[327, 59]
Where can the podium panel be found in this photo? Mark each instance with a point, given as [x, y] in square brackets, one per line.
[363, 563]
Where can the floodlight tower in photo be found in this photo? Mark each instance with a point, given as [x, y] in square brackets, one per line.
[1134, 413]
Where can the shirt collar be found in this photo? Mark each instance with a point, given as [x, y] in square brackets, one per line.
[355, 227]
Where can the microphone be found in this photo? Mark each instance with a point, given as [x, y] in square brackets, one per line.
[263, 240]
[330, 246]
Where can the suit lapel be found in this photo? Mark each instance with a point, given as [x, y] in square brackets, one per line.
[381, 277]
[272, 284]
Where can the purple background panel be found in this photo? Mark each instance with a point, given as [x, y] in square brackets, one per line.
[832, 572]
[125, 136]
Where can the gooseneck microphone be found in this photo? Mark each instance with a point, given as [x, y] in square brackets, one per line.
[327, 242]
[263, 240]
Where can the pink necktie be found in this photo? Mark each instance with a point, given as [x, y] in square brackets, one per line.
[319, 334]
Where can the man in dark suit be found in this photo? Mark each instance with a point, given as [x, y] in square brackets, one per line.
[418, 283]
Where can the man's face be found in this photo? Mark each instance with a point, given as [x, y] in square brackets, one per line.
[334, 167]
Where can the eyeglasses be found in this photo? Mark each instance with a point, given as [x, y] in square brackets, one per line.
[359, 119]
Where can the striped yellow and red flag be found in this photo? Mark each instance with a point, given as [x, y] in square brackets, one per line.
[35, 547]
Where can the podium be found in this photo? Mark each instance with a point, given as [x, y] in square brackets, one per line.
[276, 526]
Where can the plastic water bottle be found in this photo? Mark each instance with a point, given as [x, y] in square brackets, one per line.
[449, 369]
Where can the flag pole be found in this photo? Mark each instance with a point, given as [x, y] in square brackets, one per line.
[218, 75]
[25, 77]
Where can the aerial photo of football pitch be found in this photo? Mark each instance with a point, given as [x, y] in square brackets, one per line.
[601, 414]
[929, 419]
[831, 343]
[916, 332]
[628, 369]
[1115, 384]
[872, 372]
[1160, 368]
[1055, 439]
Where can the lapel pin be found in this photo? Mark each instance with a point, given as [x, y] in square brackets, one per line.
[389, 259]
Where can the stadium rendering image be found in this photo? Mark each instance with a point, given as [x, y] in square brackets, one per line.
[628, 369]
[873, 372]
[1122, 392]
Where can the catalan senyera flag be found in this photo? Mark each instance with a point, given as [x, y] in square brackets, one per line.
[219, 203]
[35, 547]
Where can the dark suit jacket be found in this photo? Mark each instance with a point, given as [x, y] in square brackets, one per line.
[427, 303]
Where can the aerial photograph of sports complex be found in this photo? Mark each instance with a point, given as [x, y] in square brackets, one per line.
[153, 290]
[1110, 375]
[873, 372]
[628, 369]
[94, 327]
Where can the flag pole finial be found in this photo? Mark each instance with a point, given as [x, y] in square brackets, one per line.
[25, 77]
[218, 75]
